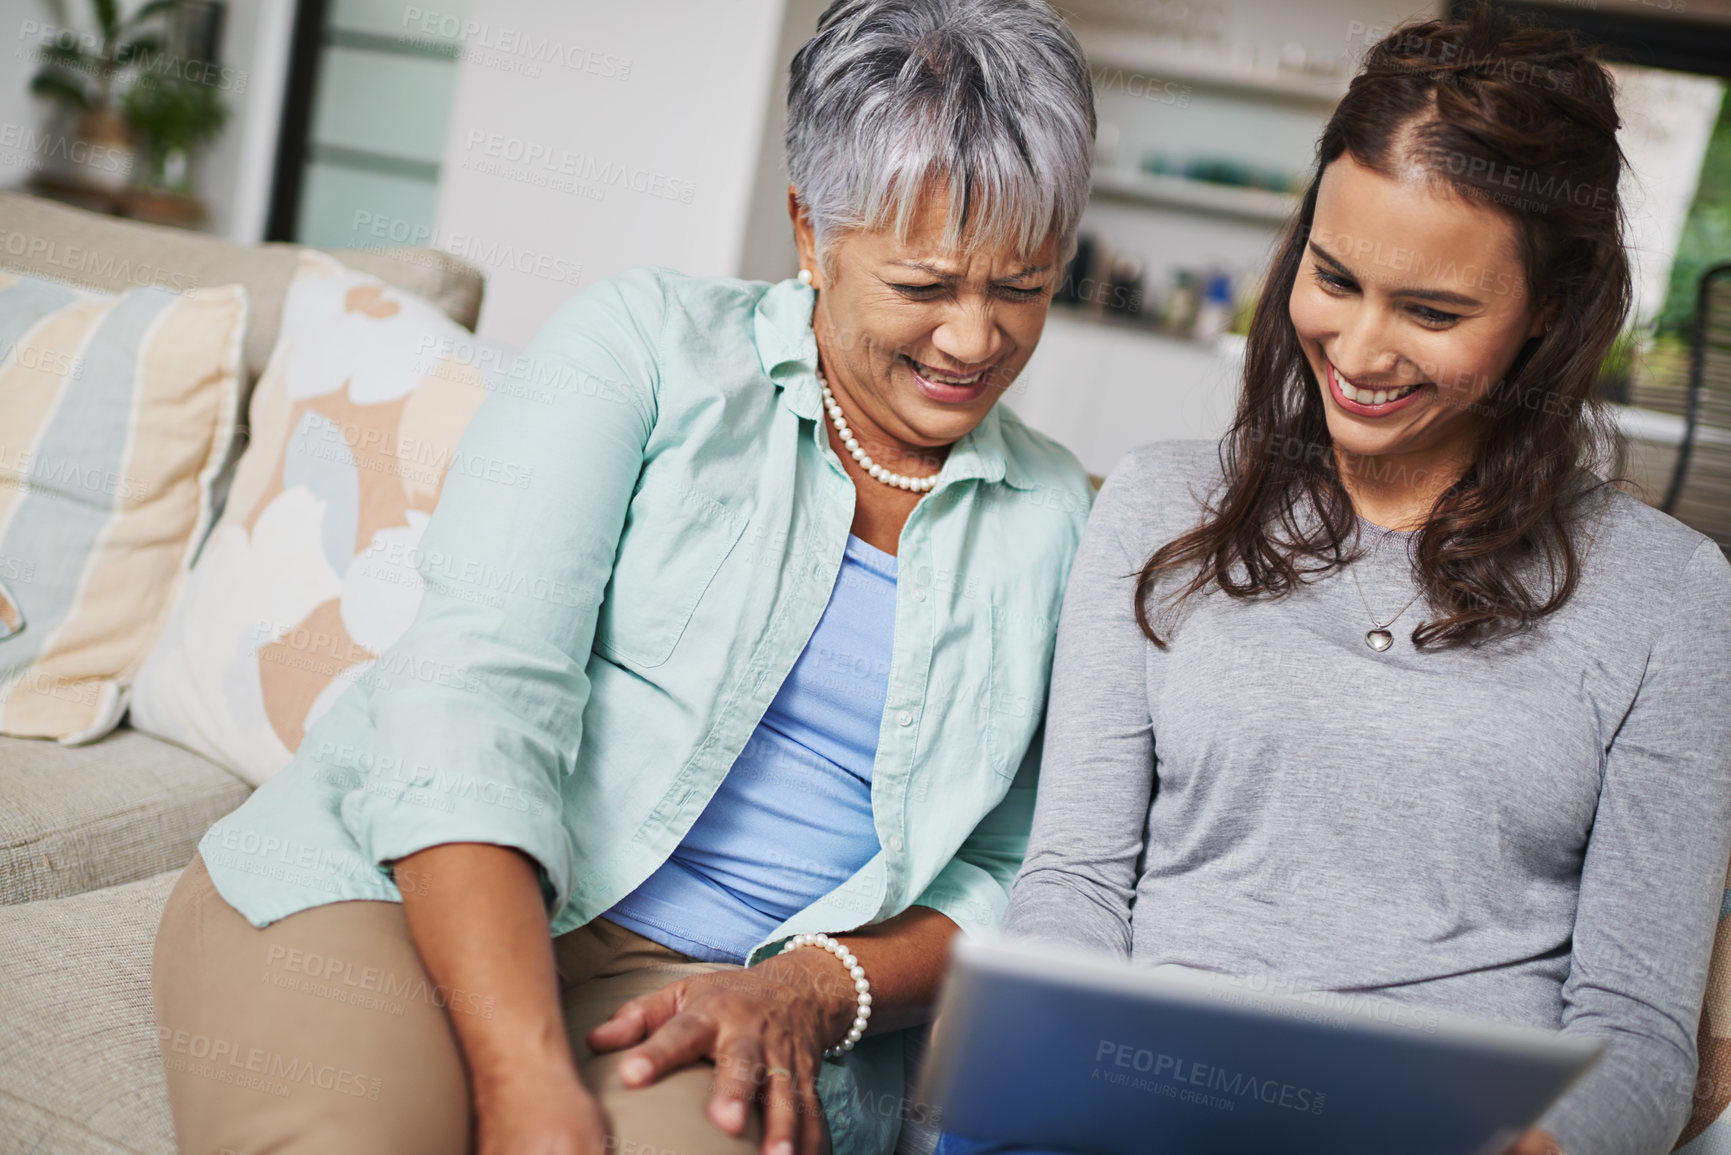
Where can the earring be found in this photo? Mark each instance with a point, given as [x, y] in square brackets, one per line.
[805, 276]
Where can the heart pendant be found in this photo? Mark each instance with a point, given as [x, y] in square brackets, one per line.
[1379, 640]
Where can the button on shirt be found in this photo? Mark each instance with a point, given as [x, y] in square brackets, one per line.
[595, 647]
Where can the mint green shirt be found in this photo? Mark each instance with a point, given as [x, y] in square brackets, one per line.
[645, 529]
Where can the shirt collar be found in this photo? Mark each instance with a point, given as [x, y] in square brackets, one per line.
[787, 348]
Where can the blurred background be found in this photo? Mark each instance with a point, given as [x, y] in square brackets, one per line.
[550, 143]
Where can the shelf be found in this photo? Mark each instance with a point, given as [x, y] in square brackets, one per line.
[1227, 346]
[1110, 49]
[152, 206]
[1199, 196]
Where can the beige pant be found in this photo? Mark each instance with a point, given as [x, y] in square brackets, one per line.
[322, 1033]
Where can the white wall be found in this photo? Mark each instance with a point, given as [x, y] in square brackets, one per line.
[235, 172]
[1259, 30]
[769, 253]
[18, 111]
[529, 160]
[1103, 389]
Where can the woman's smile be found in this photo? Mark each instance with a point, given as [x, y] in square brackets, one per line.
[1371, 400]
[948, 386]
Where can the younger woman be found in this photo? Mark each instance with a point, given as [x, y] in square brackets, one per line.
[1391, 696]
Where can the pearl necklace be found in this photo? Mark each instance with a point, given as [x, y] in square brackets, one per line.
[888, 477]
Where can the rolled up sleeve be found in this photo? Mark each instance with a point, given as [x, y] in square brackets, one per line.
[476, 713]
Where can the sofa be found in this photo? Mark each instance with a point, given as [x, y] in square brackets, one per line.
[93, 837]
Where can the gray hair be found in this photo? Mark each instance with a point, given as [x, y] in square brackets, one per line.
[991, 97]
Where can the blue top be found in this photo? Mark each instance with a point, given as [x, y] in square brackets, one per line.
[793, 818]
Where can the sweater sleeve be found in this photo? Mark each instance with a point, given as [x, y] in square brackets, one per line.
[1097, 775]
[1651, 883]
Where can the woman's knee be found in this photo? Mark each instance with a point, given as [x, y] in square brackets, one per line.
[320, 1032]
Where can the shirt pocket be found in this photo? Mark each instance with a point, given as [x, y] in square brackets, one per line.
[673, 544]
[1017, 675]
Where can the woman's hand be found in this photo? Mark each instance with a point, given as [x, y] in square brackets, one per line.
[543, 1110]
[765, 1028]
[1536, 1141]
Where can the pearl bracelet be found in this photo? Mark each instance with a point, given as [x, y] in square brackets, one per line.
[860, 985]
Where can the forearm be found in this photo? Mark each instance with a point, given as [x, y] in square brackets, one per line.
[1062, 904]
[475, 913]
[1634, 1101]
[904, 960]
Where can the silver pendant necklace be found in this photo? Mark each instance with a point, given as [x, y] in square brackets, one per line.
[1378, 636]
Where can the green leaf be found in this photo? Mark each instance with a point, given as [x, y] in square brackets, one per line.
[166, 112]
[58, 86]
[145, 46]
[107, 18]
[68, 53]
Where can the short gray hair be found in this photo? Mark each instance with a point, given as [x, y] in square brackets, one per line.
[991, 97]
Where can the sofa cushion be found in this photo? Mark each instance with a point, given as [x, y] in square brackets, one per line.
[80, 1071]
[76, 818]
[118, 411]
[311, 574]
[49, 239]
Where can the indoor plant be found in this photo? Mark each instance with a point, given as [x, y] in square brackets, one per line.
[81, 71]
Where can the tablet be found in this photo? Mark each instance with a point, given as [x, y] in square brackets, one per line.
[1073, 1052]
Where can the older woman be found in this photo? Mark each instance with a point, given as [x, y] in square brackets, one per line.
[779, 602]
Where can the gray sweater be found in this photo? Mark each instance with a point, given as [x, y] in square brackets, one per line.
[1534, 831]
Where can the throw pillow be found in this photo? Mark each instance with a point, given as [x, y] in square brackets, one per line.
[310, 574]
[116, 415]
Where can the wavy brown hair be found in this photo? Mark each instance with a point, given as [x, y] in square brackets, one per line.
[1522, 119]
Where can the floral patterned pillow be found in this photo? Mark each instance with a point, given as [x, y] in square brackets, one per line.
[310, 574]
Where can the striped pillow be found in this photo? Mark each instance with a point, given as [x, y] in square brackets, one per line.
[116, 414]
